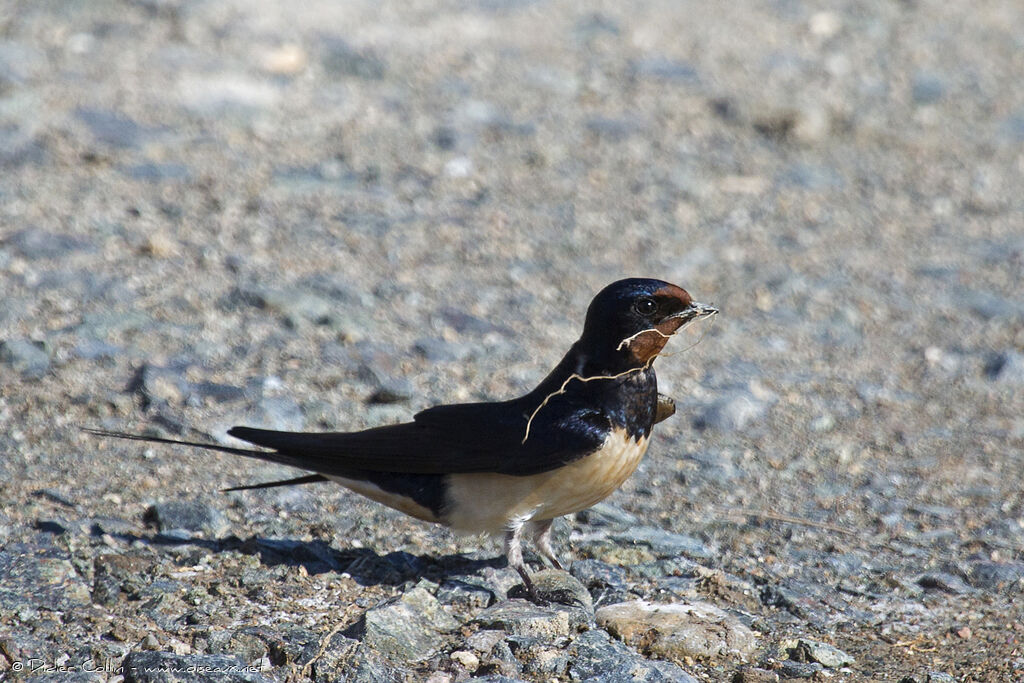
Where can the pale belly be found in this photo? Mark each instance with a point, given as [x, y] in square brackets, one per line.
[492, 503]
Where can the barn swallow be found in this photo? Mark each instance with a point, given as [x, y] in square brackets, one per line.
[512, 466]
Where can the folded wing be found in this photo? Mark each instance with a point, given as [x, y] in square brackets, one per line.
[472, 437]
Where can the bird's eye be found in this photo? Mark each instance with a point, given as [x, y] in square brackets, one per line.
[645, 306]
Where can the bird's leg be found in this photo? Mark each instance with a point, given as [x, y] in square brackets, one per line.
[514, 553]
[542, 539]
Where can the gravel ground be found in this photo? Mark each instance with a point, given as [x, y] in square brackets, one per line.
[331, 215]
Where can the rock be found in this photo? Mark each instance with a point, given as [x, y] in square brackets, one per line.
[116, 574]
[595, 657]
[342, 60]
[734, 411]
[408, 628]
[438, 350]
[466, 592]
[345, 659]
[167, 667]
[791, 669]
[29, 358]
[804, 650]
[562, 588]
[278, 412]
[665, 543]
[523, 618]
[539, 656]
[34, 244]
[302, 304]
[755, 675]
[113, 129]
[607, 583]
[677, 630]
[35, 575]
[1007, 366]
[943, 581]
[467, 660]
[191, 515]
[664, 70]
[606, 514]
[997, 576]
[927, 88]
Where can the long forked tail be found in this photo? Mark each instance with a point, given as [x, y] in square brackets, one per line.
[269, 456]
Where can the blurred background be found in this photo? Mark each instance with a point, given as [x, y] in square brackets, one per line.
[328, 215]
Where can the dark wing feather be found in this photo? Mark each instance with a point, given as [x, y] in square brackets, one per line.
[472, 437]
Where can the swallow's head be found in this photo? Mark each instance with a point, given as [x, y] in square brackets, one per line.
[635, 317]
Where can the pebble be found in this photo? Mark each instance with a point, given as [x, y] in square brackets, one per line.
[36, 244]
[190, 515]
[665, 543]
[597, 658]
[943, 581]
[678, 630]
[523, 618]
[342, 60]
[805, 650]
[733, 411]
[345, 659]
[409, 628]
[997, 576]
[32, 575]
[28, 358]
[1006, 367]
[466, 592]
[927, 88]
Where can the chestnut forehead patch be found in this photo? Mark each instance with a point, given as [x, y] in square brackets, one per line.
[674, 292]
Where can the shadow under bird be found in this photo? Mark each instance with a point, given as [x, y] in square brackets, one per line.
[509, 467]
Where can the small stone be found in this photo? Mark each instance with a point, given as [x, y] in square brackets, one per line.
[805, 650]
[791, 669]
[595, 657]
[523, 618]
[150, 643]
[538, 656]
[191, 515]
[734, 411]
[35, 244]
[927, 88]
[467, 660]
[34, 575]
[1006, 367]
[597, 575]
[755, 675]
[348, 660]
[996, 575]
[825, 24]
[343, 60]
[562, 588]
[939, 677]
[160, 245]
[408, 628]
[465, 593]
[29, 358]
[943, 581]
[665, 543]
[678, 630]
[286, 60]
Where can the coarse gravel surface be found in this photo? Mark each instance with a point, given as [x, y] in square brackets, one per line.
[331, 215]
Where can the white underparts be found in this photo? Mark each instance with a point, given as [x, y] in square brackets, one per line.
[494, 503]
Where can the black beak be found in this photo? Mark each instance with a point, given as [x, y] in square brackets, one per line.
[694, 311]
